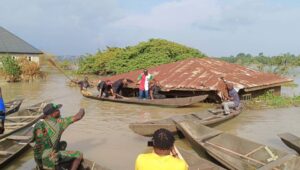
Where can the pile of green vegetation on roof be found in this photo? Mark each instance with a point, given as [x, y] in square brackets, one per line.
[143, 55]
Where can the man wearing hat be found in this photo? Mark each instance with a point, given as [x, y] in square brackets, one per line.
[49, 151]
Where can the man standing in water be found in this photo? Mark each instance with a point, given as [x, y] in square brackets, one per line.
[161, 158]
[49, 151]
[2, 113]
[234, 99]
[144, 80]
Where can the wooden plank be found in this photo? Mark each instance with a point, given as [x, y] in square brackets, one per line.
[6, 153]
[277, 162]
[21, 117]
[16, 124]
[16, 137]
[248, 154]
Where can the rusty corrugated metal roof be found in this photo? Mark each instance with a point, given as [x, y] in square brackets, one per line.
[205, 74]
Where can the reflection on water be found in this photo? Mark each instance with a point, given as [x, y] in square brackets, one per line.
[103, 135]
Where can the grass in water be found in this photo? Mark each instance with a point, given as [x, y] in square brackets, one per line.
[269, 100]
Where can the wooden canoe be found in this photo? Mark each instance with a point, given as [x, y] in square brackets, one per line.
[13, 106]
[195, 162]
[23, 118]
[167, 102]
[85, 165]
[232, 151]
[291, 141]
[208, 118]
[14, 144]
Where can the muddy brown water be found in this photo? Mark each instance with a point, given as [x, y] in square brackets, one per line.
[103, 134]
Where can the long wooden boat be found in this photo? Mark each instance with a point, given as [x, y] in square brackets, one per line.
[14, 144]
[167, 102]
[205, 118]
[234, 152]
[85, 165]
[291, 141]
[23, 118]
[195, 162]
[13, 106]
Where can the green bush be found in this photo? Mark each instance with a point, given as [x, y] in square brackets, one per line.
[144, 55]
[11, 68]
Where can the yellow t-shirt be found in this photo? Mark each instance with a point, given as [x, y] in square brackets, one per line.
[152, 161]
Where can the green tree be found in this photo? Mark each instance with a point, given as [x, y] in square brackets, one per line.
[11, 68]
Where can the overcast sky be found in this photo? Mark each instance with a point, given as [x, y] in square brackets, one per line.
[215, 27]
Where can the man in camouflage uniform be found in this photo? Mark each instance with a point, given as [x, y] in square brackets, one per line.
[49, 151]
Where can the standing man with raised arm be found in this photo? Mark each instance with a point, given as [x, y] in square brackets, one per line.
[49, 151]
[2, 113]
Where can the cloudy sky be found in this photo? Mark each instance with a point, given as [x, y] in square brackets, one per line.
[215, 27]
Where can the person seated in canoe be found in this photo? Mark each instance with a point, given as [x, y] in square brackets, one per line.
[118, 86]
[143, 81]
[104, 88]
[164, 155]
[154, 90]
[49, 151]
[2, 113]
[233, 100]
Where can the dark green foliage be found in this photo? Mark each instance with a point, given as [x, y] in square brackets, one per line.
[144, 55]
[11, 68]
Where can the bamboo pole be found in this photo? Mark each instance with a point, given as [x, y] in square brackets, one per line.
[238, 154]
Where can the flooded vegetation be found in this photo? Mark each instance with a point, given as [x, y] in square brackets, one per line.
[20, 69]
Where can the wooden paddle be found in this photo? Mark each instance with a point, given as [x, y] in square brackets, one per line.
[61, 70]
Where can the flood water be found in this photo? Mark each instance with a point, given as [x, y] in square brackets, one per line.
[103, 134]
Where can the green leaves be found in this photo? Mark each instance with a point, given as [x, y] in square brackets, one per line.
[11, 68]
[144, 55]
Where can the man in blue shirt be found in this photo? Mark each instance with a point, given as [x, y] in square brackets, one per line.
[233, 100]
[2, 113]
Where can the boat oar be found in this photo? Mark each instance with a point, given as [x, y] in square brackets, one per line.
[56, 66]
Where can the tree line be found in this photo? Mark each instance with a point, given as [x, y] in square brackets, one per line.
[279, 64]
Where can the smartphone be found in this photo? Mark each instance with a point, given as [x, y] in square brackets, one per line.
[150, 143]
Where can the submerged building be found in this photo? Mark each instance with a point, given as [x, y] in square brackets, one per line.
[197, 76]
[15, 47]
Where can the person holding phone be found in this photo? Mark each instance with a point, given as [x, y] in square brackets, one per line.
[163, 156]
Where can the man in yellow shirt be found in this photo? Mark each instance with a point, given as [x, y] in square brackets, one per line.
[161, 158]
